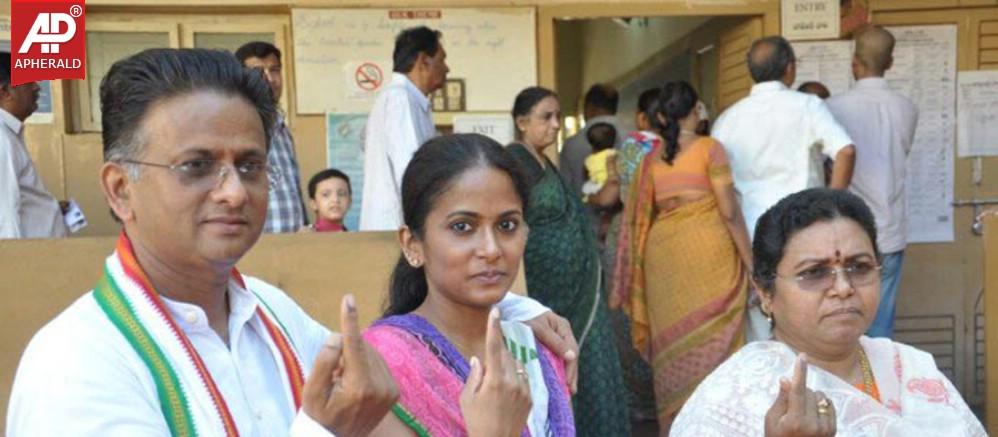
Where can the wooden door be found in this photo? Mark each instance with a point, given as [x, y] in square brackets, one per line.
[733, 79]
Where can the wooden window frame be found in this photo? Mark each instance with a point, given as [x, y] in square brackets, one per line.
[181, 29]
[83, 118]
[278, 25]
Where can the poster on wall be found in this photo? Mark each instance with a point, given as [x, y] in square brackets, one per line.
[977, 113]
[345, 152]
[809, 19]
[827, 62]
[925, 71]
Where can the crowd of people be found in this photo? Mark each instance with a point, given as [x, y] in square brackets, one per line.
[713, 277]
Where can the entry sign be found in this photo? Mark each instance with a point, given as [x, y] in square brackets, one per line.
[810, 19]
[47, 40]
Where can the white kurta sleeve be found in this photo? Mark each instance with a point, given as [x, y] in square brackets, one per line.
[10, 193]
[71, 381]
[305, 426]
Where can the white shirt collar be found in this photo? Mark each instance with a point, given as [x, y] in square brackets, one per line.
[11, 121]
[192, 318]
[421, 99]
[872, 83]
[768, 87]
[612, 119]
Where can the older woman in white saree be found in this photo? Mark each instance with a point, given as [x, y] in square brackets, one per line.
[816, 263]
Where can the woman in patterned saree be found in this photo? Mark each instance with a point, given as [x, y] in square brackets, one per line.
[563, 267]
[817, 264]
[462, 241]
[683, 255]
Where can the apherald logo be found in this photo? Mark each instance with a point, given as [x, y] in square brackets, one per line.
[50, 39]
[46, 31]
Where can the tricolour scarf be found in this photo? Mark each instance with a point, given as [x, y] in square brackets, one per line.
[189, 398]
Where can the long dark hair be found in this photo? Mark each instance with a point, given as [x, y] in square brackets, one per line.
[431, 172]
[674, 102]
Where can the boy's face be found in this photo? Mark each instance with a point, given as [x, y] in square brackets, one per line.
[332, 199]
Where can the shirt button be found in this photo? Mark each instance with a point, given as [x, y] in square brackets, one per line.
[259, 415]
[191, 317]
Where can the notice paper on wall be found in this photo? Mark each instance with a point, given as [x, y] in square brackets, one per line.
[925, 71]
[827, 62]
[977, 113]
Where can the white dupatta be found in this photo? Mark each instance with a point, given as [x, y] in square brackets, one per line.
[917, 398]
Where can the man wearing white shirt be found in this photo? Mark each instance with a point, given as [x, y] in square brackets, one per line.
[882, 123]
[27, 210]
[399, 123]
[775, 137]
[172, 339]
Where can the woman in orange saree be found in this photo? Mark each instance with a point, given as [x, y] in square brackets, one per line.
[683, 255]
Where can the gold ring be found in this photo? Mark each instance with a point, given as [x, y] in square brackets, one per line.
[521, 372]
[823, 405]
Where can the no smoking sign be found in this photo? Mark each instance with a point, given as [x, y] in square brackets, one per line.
[369, 76]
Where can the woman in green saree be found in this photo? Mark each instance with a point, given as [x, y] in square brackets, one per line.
[563, 267]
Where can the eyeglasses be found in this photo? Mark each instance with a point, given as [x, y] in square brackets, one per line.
[821, 278]
[209, 174]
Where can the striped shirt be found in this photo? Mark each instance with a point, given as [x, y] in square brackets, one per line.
[285, 210]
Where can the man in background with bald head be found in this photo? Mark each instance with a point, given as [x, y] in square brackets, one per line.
[772, 135]
[776, 139]
[881, 123]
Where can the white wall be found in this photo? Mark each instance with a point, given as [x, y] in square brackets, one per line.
[612, 50]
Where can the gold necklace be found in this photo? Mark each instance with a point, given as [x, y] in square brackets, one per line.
[864, 366]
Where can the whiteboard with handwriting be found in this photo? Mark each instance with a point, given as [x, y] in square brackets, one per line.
[343, 56]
